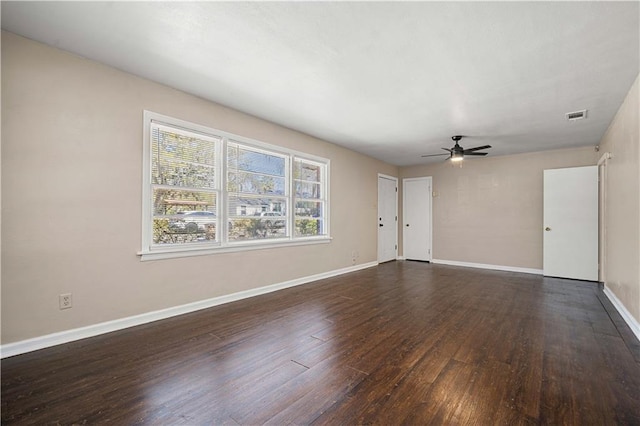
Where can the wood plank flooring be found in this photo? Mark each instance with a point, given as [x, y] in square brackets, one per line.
[401, 343]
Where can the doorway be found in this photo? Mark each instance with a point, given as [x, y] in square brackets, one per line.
[387, 218]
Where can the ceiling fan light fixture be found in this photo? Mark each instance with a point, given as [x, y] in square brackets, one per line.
[457, 156]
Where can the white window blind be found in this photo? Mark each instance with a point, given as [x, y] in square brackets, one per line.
[184, 186]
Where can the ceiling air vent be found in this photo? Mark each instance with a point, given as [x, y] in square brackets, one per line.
[576, 115]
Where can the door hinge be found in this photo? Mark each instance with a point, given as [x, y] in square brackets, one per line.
[396, 218]
[396, 247]
[396, 189]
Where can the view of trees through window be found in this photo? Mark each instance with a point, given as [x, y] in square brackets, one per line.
[265, 194]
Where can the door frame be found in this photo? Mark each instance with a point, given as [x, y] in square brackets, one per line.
[602, 216]
[429, 180]
[395, 207]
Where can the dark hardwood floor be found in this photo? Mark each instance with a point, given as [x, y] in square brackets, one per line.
[402, 343]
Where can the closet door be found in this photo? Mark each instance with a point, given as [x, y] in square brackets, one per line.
[571, 223]
[416, 235]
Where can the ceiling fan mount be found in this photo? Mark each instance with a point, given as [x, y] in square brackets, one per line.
[457, 153]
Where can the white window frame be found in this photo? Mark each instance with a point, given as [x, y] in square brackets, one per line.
[324, 191]
[152, 251]
[286, 197]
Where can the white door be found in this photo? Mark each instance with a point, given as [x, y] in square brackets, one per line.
[416, 207]
[387, 218]
[571, 223]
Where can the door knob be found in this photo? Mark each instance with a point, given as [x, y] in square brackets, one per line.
[381, 225]
[407, 224]
[547, 229]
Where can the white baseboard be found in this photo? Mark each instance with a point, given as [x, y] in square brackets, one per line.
[29, 345]
[485, 266]
[633, 324]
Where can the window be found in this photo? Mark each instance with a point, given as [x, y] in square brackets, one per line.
[206, 191]
[257, 181]
[184, 187]
[310, 198]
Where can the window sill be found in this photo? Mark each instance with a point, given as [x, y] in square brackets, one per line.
[172, 253]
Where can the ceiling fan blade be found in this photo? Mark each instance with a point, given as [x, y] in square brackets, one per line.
[477, 148]
[475, 153]
[434, 155]
[447, 149]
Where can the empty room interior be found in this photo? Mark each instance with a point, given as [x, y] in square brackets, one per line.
[320, 213]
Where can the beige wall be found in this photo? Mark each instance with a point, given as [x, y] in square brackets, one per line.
[622, 215]
[71, 188]
[490, 210]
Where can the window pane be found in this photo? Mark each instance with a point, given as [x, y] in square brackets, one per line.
[308, 227]
[168, 231]
[263, 207]
[241, 158]
[307, 171]
[178, 201]
[184, 216]
[257, 218]
[309, 208]
[308, 190]
[252, 183]
[182, 160]
[256, 228]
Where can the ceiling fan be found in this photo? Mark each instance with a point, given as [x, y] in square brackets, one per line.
[457, 153]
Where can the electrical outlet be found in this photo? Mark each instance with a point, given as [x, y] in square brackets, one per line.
[65, 301]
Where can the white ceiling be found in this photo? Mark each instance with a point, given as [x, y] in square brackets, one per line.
[391, 80]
